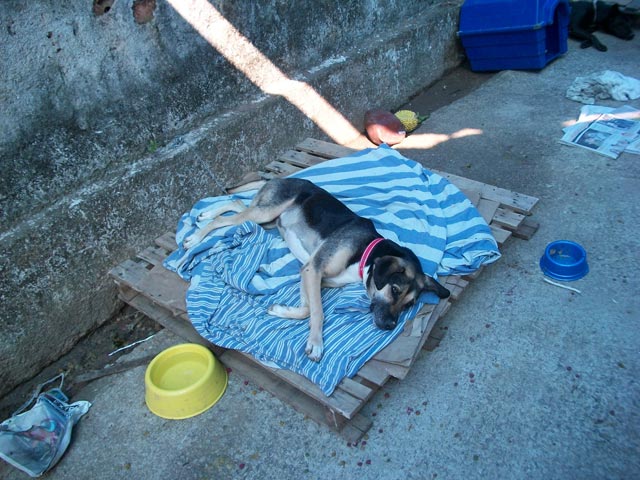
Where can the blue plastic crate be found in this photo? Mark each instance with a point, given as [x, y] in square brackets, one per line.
[513, 34]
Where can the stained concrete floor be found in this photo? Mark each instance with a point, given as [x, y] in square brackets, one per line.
[531, 380]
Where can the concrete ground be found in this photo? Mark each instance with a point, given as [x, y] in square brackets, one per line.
[530, 381]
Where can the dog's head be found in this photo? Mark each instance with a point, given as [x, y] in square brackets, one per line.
[395, 281]
[618, 24]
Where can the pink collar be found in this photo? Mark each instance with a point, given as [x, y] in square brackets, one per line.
[365, 255]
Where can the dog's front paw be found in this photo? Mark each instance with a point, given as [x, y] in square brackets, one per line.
[276, 310]
[293, 313]
[191, 241]
[314, 349]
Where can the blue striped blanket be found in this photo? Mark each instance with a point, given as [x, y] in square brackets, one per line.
[237, 272]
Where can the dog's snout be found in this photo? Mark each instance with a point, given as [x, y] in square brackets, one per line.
[386, 323]
[389, 324]
[383, 317]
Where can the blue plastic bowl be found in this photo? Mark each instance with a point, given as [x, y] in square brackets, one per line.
[564, 260]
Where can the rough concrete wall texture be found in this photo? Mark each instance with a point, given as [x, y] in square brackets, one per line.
[111, 126]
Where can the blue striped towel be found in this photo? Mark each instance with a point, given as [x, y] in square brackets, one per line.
[237, 272]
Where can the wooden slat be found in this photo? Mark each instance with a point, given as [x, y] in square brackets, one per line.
[417, 327]
[324, 149]
[340, 401]
[456, 285]
[432, 343]
[508, 218]
[268, 175]
[519, 202]
[352, 430]
[112, 369]
[397, 355]
[499, 234]
[400, 352]
[356, 389]
[153, 254]
[526, 229]
[281, 168]
[373, 375]
[395, 371]
[158, 284]
[167, 241]
[452, 280]
[425, 316]
[356, 428]
[300, 159]
[248, 178]
[440, 311]
[487, 208]
[473, 196]
[169, 321]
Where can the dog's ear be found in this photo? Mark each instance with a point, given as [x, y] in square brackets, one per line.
[383, 268]
[432, 285]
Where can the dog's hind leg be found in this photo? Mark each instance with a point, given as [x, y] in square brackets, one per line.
[254, 213]
[217, 221]
[236, 207]
[294, 313]
[285, 311]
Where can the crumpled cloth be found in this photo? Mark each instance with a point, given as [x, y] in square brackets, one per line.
[604, 85]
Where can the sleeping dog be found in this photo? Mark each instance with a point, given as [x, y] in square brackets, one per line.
[335, 246]
[587, 17]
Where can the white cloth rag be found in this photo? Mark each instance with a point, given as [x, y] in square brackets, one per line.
[603, 85]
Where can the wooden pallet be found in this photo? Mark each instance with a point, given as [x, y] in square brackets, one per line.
[160, 294]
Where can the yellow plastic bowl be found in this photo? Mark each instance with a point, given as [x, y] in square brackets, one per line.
[184, 381]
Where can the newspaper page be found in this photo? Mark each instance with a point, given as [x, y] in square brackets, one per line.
[604, 130]
[634, 147]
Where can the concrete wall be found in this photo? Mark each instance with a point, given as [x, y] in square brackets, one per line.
[110, 128]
